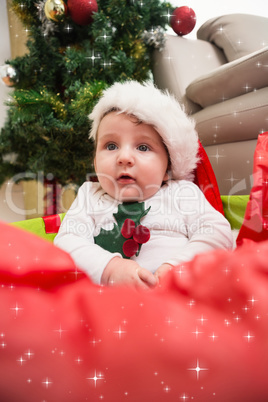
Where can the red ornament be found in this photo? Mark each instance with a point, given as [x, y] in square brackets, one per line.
[130, 248]
[81, 11]
[183, 20]
[141, 234]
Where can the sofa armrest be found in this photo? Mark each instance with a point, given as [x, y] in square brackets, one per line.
[231, 80]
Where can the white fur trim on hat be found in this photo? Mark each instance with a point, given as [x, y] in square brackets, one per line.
[163, 112]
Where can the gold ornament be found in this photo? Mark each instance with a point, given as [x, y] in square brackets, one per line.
[55, 10]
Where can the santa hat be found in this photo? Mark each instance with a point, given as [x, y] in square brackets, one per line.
[163, 112]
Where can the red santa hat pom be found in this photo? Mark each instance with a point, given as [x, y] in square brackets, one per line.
[183, 20]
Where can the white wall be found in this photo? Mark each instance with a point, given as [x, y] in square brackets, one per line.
[4, 54]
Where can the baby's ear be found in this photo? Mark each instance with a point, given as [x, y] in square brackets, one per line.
[167, 175]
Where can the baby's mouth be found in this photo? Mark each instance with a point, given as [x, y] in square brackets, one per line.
[125, 179]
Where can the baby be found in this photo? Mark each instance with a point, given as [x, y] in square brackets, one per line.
[144, 215]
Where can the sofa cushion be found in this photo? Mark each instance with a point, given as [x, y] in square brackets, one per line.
[237, 34]
[231, 79]
[239, 119]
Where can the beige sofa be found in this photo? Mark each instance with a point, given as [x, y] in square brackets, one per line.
[222, 80]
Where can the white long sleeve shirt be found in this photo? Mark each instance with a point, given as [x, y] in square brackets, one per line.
[181, 221]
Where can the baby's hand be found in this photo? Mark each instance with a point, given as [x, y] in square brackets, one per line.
[162, 270]
[120, 271]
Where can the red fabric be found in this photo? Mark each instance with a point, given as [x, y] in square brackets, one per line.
[201, 336]
[205, 179]
[52, 223]
[255, 224]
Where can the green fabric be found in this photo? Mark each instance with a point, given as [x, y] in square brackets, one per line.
[37, 226]
[234, 209]
[112, 240]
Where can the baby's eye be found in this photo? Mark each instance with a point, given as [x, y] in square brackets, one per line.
[143, 148]
[111, 147]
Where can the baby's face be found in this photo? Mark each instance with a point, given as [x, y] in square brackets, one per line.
[131, 160]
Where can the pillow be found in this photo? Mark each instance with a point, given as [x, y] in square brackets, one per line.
[237, 34]
[231, 80]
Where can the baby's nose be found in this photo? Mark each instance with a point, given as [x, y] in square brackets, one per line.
[125, 157]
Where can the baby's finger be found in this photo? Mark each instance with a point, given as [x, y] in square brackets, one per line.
[147, 277]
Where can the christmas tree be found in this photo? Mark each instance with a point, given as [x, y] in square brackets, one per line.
[76, 48]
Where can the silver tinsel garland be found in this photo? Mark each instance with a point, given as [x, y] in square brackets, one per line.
[48, 27]
[155, 37]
